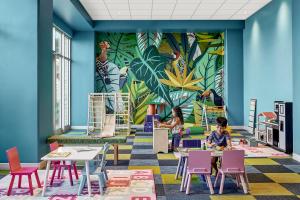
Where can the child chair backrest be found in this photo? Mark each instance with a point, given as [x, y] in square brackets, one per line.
[233, 160]
[191, 143]
[54, 146]
[105, 150]
[199, 161]
[13, 159]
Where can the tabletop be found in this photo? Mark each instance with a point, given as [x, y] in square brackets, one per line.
[184, 152]
[73, 153]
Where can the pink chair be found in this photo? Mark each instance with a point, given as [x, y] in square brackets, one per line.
[58, 165]
[232, 163]
[199, 162]
[17, 170]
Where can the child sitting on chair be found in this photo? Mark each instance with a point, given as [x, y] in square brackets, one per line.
[176, 125]
[219, 139]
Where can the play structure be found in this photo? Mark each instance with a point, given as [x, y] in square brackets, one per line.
[210, 114]
[108, 114]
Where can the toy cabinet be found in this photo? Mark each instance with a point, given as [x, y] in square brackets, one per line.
[276, 128]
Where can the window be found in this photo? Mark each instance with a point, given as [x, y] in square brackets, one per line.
[61, 79]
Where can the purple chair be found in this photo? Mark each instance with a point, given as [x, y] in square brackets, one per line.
[148, 123]
[199, 162]
[196, 143]
[232, 163]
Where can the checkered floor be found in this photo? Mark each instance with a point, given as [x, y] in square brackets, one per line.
[270, 178]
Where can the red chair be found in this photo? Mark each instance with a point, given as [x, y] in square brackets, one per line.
[58, 165]
[17, 170]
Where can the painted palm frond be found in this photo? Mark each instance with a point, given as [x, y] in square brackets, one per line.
[140, 96]
[181, 80]
[149, 67]
[219, 51]
[144, 40]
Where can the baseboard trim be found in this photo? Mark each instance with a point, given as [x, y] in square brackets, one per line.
[5, 166]
[296, 157]
[238, 127]
[78, 127]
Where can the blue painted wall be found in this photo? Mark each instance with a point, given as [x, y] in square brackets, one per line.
[296, 74]
[82, 75]
[268, 56]
[234, 97]
[23, 104]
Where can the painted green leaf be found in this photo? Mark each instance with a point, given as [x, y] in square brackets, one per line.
[206, 69]
[149, 67]
[144, 40]
[219, 76]
[180, 98]
[172, 42]
[140, 95]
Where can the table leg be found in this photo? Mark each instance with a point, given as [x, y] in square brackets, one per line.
[87, 167]
[184, 174]
[46, 177]
[178, 167]
[116, 154]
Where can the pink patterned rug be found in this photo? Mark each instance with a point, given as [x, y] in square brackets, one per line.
[121, 185]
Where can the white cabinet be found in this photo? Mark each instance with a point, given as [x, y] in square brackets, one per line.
[160, 140]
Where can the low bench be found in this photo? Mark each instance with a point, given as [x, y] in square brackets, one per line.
[90, 140]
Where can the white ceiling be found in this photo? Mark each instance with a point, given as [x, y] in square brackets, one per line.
[172, 9]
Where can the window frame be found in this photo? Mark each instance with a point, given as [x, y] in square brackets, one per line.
[64, 55]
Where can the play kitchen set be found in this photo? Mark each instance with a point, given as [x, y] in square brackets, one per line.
[276, 128]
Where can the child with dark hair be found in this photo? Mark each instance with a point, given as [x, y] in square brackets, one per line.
[219, 139]
[176, 125]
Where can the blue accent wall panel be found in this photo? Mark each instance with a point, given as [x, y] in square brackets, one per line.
[45, 98]
[167, 25]
[296, 75]
[18, 66]
[234, 77]
[82, 75]
[268, 56]
[57, 21]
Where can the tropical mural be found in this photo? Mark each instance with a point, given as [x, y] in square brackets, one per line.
[167, 69]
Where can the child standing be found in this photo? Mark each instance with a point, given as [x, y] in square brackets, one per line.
[219, 139]
[176, 126]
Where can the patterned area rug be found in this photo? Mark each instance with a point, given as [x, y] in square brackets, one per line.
[122, 184]
[260, 151]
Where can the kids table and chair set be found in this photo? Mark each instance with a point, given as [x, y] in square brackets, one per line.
[193, 161]
[61, 158]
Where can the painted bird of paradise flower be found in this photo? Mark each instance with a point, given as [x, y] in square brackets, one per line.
[181, 80]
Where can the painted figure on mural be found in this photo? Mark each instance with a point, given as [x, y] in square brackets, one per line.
[213, 96]
[101, 61]
[109, 71]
